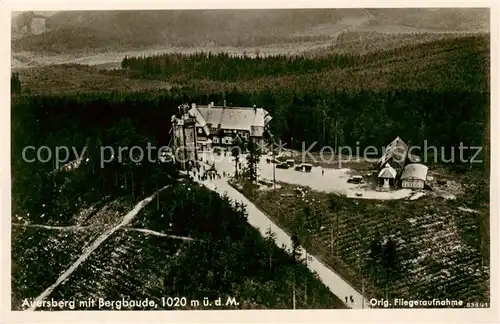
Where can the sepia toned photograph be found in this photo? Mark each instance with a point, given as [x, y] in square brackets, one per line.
[245, 159]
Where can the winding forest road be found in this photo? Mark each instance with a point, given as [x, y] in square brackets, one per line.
[125, 221]
[337, 285]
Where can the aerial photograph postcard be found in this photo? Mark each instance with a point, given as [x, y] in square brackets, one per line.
[244, 159]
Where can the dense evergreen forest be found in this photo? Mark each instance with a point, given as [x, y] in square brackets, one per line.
[357, 118]
[363, 118]
[455, 63]
[456, 111]
[40, 190]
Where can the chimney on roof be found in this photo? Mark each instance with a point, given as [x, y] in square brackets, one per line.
[224, 103]
[254, 108]
[193, 105]
[211, 104]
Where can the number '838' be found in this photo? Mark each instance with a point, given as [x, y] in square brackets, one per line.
[477, 305]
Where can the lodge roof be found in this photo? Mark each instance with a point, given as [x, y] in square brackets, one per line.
[234, 118]
[396, 151]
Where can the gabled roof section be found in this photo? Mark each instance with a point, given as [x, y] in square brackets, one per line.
[387, 172]
[396, 150]
[200, 121]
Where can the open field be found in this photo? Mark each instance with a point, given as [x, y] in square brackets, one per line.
[39, 256]
[358, 41]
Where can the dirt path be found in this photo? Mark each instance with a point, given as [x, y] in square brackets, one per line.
[126, 220]
[80, 228]
[59, 228]
[151, 232]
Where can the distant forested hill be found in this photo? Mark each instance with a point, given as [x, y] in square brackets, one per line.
[80, 30]
[460, 63]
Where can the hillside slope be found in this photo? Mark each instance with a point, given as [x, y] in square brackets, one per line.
[59, 216]
[84, 30]
[459, 63]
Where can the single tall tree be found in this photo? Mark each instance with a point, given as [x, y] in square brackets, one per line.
[253, 159]
[389, 261]
[236, 150]
[375, 257]
[296, 260]
[15, 83]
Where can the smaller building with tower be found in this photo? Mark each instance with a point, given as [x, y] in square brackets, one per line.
[183, 142]
[398, 167]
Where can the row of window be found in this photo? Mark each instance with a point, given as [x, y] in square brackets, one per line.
[224, 140]
[242, 134]
[412, 184]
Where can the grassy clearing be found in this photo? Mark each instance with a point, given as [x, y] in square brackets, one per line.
[39, 256]
[364, 41]
[128, 264]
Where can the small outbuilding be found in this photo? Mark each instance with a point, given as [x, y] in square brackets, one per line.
[387, 176]
[414, 176]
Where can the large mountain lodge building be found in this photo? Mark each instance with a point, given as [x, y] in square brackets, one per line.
[201, 127]
[220, 125]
